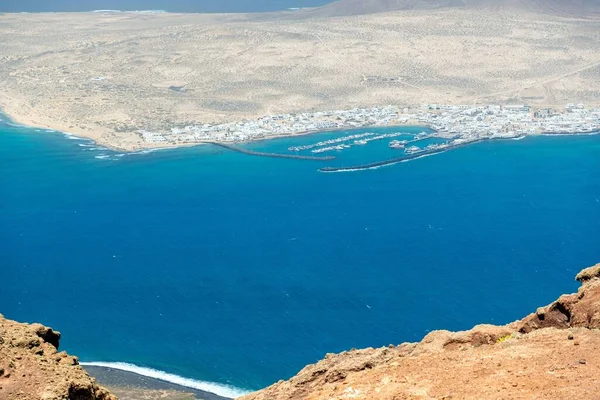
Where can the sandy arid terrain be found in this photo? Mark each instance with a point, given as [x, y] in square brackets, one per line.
[106, 76]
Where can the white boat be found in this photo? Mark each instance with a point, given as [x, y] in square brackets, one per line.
[396, 144]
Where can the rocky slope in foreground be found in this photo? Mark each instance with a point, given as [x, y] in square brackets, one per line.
[551, 354]
[31, 367]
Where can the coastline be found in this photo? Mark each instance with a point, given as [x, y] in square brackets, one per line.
[19, 121]
[28, 124]
[10, 120]
[474, 150]
[122, 383]
[146, 146]
[230, 145]
[132, 377]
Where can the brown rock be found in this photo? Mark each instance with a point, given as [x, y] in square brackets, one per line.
[588, 274]
[529, 358]
[36, 374]
[581, 309]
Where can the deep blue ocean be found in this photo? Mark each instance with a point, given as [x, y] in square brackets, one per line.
[223, 267]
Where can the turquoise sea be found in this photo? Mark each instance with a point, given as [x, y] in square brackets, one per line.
[222, 267]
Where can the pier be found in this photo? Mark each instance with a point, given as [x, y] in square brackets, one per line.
[272, 155]
[420, 139]
[400, 159]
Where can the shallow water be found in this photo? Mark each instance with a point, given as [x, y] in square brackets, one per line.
[222, 267]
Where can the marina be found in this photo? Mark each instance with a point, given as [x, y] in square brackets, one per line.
[410, 155]
[448, 121]
[357, 138]
[343, 145]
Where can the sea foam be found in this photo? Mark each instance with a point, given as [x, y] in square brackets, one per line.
[216, 388]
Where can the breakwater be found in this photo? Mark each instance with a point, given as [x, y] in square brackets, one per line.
[558, 133]
[400, 159]
[419, 139]
[272, 155]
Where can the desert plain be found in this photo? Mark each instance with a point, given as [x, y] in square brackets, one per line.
[106, 76]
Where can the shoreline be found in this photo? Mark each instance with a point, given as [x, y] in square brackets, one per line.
[11, 121]
[132, 377]
[122, 382]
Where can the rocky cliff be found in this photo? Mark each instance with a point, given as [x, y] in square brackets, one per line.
[32, 368]
[553, 353]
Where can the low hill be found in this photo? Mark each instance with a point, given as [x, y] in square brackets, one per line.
[579, 8]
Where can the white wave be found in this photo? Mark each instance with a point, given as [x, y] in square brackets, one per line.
[571, 133]
[86, 145]
[216, 388]
[423, 156]
[148, 151]
[72, 137]
[382, 166]
[102, 157]
[343, 170]
[362, 168]
[557, 134]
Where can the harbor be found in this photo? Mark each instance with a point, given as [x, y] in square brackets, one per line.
[272, 155]
[466, 122]
[444, 128]
[410, 148]
[346, 142]
[406, 157]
